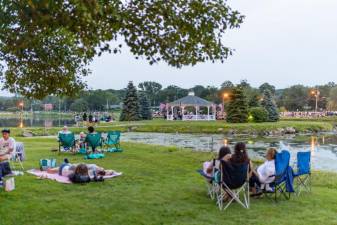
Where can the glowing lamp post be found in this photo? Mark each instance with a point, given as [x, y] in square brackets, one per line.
[224, 98]
[316, 94]
[21, 105]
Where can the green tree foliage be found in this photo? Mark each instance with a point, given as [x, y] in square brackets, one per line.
[295, 98]
[237, 109]
[131, 110]
[269, 105]
[333, 99]
[258, 114]
[98, 100]
[227, 85]
[200, 91]
[151, 90]
[46, 46]
[172, 93]
[267, 86]
[211, 94]
[253, 95]
[79, 105]
[145, 111]
[254, 100]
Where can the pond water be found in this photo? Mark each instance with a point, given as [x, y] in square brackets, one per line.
[323, 147]
[36, 122]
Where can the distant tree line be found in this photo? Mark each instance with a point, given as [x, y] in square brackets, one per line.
[294, 98]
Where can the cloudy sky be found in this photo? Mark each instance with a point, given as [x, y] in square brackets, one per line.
[282, 42]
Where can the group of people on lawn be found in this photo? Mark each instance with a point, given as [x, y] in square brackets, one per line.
[78, 173]
[81, 173]
[259, 178]
[81, 141]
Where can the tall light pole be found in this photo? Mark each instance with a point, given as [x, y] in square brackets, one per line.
[316, 93]
[21, 104]
[224, 97]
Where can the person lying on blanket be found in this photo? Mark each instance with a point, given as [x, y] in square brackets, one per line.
[81, 173]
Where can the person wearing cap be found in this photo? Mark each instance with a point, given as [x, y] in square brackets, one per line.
[7, 145]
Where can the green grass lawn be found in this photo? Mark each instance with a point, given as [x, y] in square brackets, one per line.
[159, 186]
[160, 125]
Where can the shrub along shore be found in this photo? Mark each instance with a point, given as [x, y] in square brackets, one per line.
[210, 127]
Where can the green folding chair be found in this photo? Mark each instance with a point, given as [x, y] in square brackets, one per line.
[94, 140]
[113, 141]
[67, 141]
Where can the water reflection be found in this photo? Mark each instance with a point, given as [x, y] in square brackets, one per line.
[35, 122]
[225, 142]
[313, 145]
[322, 148]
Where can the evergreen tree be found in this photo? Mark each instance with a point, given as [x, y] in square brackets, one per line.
[145, 111]
[237, 110]
[254, 101]
[269, 104]
[130, 111]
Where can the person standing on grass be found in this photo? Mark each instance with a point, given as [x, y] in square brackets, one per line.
[7, 145]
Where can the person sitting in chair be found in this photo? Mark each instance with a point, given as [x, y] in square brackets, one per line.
[7, 145]
[65, 130]
[224, 154]
[240, 157]
[263, 176]
[236, 171]
[91, 130]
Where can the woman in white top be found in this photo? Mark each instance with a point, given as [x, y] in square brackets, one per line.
[265, 173]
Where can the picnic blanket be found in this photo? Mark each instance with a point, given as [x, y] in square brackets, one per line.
[59, 178]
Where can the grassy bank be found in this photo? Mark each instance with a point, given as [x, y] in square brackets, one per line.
[159, 186]
[330, 119]
[219, 127]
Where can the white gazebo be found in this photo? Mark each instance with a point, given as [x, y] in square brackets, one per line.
[177, 109]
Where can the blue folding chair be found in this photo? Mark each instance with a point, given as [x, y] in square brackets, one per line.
[302, 175]
[283, 183]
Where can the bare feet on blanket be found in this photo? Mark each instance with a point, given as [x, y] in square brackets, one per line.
[109, 172]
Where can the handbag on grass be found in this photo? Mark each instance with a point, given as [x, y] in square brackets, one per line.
[9, 184]
[46, 164]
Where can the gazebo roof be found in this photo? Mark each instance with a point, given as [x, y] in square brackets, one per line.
[191, 100]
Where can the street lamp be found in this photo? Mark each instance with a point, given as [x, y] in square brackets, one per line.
[316, 94]
[224, 97]
[21, 104]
